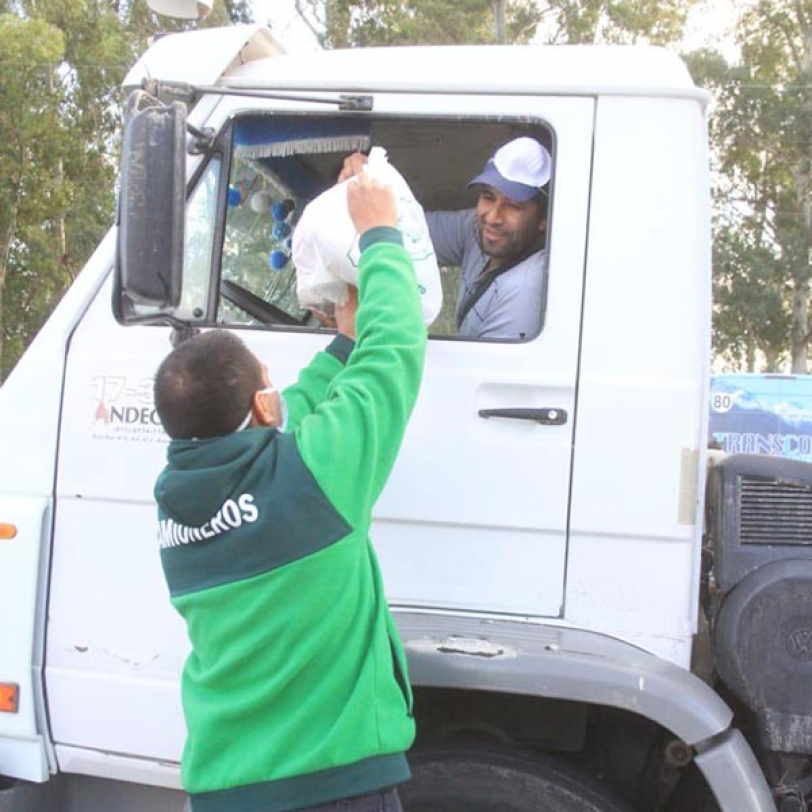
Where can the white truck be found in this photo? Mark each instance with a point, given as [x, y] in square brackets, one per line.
[586, 630]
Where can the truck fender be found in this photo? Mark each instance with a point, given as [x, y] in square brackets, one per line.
[530, 658]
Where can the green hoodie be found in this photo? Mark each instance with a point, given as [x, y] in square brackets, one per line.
[296, 691]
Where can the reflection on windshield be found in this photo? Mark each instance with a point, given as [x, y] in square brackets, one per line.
[256, 249]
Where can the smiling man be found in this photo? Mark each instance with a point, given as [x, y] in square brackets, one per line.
[500, 245]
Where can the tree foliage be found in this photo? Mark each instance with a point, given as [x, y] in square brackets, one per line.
[751, 316]
[61, 67]
[33, 191]
[761, 129]
[358, 23]
[656, 22]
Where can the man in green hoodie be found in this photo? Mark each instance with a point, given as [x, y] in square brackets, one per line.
[295, 693]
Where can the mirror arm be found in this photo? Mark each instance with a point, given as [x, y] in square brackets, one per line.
[182, 332]
[203, 139]
[186, 92]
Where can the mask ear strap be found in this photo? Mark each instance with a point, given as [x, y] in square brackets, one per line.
[268, 390]
[245, 422]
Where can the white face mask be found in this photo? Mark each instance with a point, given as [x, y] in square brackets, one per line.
[268, 390]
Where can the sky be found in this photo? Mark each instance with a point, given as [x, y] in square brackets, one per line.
[286, 24]
[711, 24]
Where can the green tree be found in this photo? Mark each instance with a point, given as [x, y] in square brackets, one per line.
[656, 22]
[762, 137]
[32, 188]
[346, 23]
[358, 23]
[61, 67]
[751, 312]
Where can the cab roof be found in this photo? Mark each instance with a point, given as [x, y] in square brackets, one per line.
[517, 69]
[250, 57]
[202, 57]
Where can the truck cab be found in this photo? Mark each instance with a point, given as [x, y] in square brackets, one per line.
[542, 535]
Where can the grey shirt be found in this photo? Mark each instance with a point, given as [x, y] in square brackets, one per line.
[513, 305]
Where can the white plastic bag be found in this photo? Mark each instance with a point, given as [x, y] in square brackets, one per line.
[325, 245]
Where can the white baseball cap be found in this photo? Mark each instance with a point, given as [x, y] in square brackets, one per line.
[518, 170]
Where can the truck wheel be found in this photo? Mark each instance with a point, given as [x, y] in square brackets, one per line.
[474, 779]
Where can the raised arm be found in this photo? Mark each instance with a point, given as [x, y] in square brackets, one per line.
[312, 385]
[351, 440]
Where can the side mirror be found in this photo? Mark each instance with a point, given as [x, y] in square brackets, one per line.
[152, 196]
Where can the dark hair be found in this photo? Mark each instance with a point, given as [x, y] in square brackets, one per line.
[205, 386]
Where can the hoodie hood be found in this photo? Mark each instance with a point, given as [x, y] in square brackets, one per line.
[200, 475]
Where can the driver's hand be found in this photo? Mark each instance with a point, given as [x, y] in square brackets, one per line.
[323, 319]
[345, 314]
[353, 164]
[344, 318]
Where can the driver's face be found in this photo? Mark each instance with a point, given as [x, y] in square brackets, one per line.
[505, 227]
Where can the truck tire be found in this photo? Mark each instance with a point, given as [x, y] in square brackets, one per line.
[491, 779]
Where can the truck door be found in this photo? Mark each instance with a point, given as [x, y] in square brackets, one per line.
[474, 517]
[475, 514]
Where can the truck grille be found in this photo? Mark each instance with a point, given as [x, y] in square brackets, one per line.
[774, 512]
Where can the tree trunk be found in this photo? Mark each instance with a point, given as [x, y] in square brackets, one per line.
[60, 179]
[500, 13]
[800, 325]
[300, 10]
[800, 298]
[771, 356]
[597, 34]
[337, 19]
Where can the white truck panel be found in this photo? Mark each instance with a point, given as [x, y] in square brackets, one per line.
[21, 744]
[31, 397]
[30, 405]
[113, 658]
[82, 761]
[564, 70]
[644, 378]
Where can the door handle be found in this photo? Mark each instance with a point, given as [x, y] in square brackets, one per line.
[544, 416]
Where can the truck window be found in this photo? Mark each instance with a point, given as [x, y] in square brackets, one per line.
[201, 211]
[279, 163]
